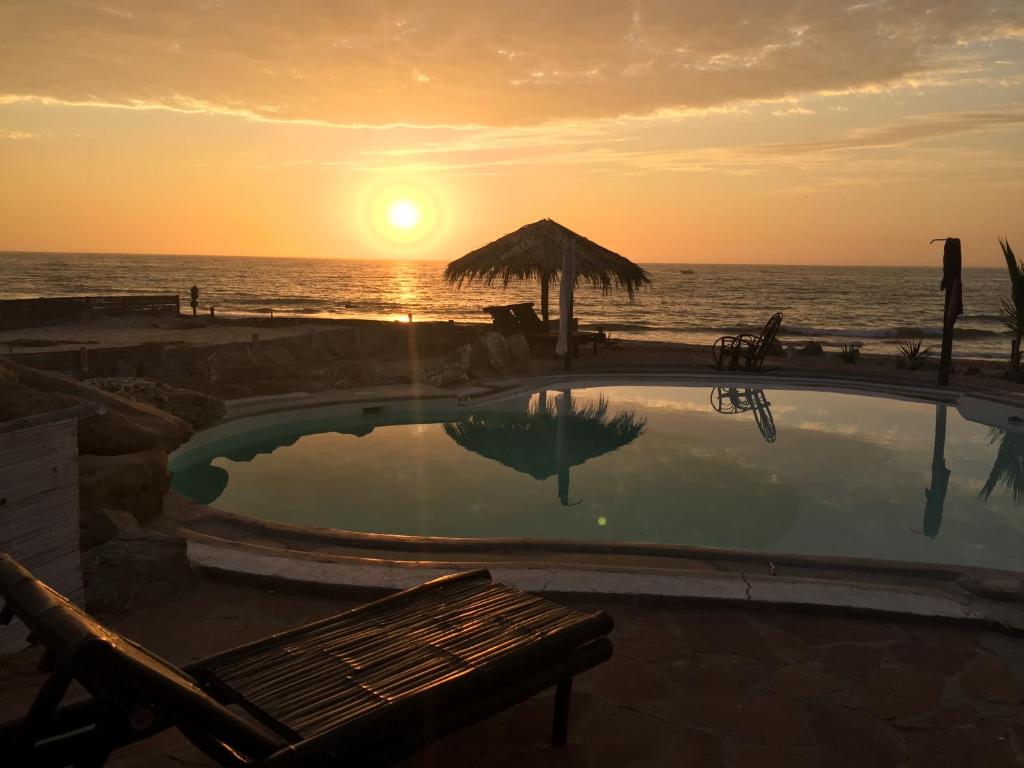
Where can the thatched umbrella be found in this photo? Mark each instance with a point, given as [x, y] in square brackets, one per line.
[534, 252]
[542, 444]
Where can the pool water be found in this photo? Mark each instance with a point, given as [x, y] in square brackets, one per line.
[792, 471]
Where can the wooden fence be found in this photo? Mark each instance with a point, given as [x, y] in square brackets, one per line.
[39, 518]
[30, 313]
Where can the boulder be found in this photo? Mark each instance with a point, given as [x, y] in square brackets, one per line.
[198, 409]
[454, 369]
[97, 526]
[124, 427]
[131, 482]
[133, 569]
[358, 373]
[519, 351]
[490, 353]
[812, 349]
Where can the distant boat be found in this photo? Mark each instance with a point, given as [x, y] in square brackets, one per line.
[687, 271]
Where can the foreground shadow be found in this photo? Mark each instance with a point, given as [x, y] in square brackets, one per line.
[732, 400]
[543, 442]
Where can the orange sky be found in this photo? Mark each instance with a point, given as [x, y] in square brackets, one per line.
[761, 131]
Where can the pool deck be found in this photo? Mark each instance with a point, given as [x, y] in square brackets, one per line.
[693, 685]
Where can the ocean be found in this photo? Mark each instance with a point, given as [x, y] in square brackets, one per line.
[874, 307]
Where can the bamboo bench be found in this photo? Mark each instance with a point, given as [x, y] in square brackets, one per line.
[365, 687]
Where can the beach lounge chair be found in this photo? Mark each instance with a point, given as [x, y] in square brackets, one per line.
[521, 318]
[364, 687]
[746, 351]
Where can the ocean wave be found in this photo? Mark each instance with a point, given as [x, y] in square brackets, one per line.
[896, 332]
[983, 318]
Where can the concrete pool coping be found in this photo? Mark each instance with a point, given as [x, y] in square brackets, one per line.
[233, 546]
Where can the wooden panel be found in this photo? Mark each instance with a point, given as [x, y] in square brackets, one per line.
[39, 517]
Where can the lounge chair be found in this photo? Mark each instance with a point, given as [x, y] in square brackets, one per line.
[364, 687]
[731, 400]
[746, 351]
[521, 318]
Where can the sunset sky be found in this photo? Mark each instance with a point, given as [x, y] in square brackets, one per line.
[762, 131]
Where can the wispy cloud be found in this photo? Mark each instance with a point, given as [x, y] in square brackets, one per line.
[16, 135]
[464, 63]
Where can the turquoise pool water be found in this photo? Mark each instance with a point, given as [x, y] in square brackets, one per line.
[775, 470]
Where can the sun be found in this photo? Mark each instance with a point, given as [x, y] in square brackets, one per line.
[404, 214]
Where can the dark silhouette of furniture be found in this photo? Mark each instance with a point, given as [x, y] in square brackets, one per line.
[521, 318]
[364, 687]
[731, 400]
[746, 351]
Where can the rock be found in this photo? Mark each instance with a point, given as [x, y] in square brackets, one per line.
[452, 370]
[100, 525]
[357, 373]
[519, 351]
[776, 349]
[125, 427]
[811, 349]
[131, 482]
[133, 569]
[198, 409]
[490, 351]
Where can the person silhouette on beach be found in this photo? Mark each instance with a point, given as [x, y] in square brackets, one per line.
[194, 292]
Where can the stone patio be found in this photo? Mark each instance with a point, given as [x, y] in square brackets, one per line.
[693, 685]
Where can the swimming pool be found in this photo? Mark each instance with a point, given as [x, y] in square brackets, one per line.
[776, 470]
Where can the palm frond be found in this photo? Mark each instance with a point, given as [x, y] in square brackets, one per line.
[1008, 467]
[1013, 314]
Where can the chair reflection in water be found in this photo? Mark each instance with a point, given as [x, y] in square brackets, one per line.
[730, 400]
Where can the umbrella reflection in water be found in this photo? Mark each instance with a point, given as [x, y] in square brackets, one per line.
[543, 444]
[730, 400]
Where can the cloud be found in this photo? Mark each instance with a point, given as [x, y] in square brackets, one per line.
[907, 131]
[472, 63]
[901, 151]
[16, 135]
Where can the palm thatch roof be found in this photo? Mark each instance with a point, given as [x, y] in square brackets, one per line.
[535, 252]
[527, 442]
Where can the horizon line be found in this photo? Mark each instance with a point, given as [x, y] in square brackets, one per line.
[158, 254]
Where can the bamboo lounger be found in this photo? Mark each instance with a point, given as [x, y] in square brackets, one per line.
[367, 687]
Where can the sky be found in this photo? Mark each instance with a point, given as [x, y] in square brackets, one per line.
[760, 131]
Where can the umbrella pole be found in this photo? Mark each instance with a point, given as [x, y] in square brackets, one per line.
[545, 286]
[935, 497]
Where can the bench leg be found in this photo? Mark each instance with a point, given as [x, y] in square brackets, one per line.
[560, 726]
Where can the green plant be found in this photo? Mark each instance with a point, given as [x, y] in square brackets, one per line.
[913, 353]
[1012, 311]
[849, 353]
